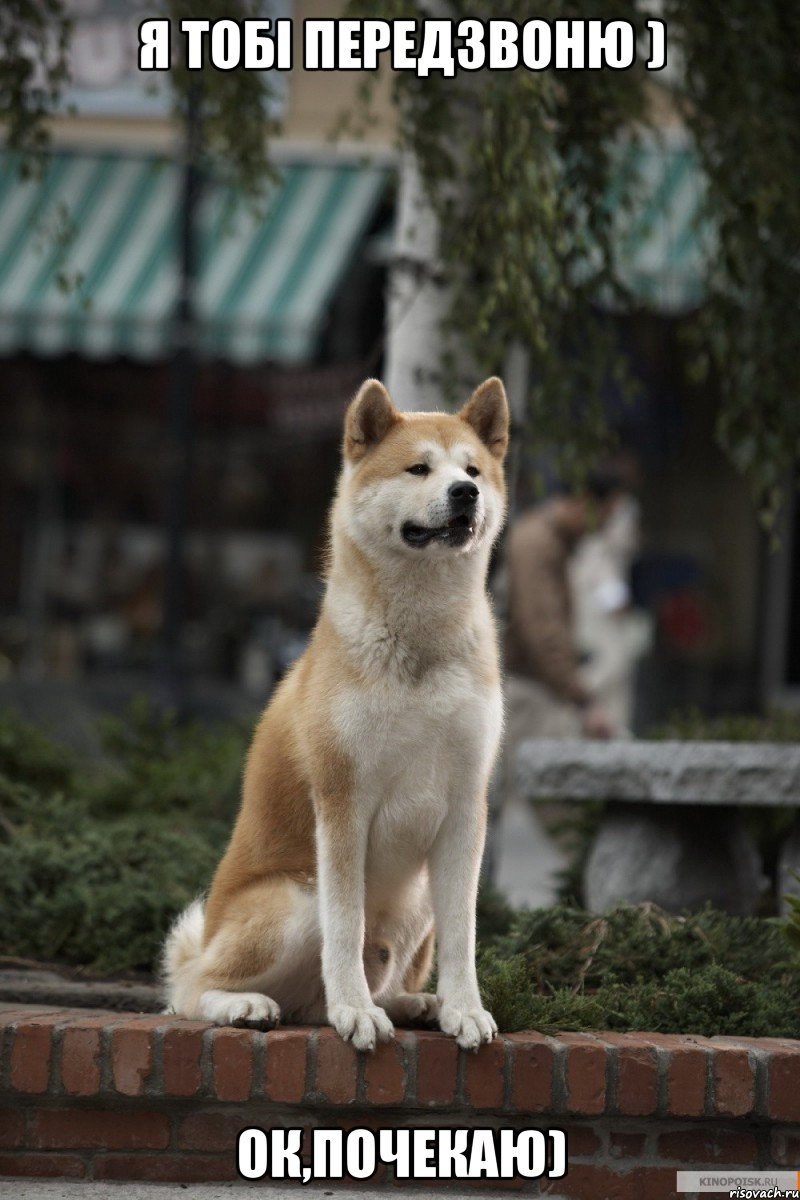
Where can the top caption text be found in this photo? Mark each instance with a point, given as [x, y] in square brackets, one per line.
[423, 47]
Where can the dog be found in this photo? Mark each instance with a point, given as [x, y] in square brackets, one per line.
[363, 812]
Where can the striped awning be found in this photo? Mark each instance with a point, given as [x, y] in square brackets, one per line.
[89, 257]
[663, 245]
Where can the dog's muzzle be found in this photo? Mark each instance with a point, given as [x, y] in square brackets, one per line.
[462, 498]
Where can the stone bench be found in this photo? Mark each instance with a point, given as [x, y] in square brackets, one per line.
[672, 832]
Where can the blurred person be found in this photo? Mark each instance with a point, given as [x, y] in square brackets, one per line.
[547, 695]
[611, 634]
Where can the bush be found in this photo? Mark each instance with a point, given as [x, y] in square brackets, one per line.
[95, 863]
[100, 894]
[637, 968]
[691, 725]
[30, 756]
[161, 766]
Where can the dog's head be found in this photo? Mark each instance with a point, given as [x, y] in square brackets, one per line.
[424, 484]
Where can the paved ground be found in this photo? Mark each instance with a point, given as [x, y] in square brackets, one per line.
[35, 1189]
[527, 858]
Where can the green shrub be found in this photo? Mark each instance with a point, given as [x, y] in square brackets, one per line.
[160, 765]
[692, 725]
[792, 923]
[95, 863]
[567, 947]
[100, 894]
[637, 968]
[711, 1002]
[30, 756]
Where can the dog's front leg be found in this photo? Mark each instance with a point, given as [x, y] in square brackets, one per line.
[341, 857]
[454, 866]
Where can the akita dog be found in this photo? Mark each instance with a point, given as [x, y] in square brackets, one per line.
[363, 814]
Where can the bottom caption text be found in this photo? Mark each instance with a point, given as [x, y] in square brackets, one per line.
[413, 1153]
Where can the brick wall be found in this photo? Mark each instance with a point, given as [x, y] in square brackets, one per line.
[118, 1096]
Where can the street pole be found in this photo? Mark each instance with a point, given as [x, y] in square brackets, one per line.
[516, 375]
[182, 383]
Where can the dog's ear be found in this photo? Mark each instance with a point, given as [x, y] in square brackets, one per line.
[369, 418]
[487, 412]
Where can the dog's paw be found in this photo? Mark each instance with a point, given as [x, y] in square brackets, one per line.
[413, 1006]
[250, 1009]
[469, 1026]
[364, 1027]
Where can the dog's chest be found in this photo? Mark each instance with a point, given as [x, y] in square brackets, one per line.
[415, 751]
[392, 731]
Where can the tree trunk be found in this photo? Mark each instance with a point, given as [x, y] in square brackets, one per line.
[417, 300]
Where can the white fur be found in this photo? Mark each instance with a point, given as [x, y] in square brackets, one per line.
[239, 1008]
[184, 943]
[423, 747]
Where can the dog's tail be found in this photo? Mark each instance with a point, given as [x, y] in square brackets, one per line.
[180, 959]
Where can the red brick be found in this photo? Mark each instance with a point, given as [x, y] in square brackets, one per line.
[337, 1068]
[785, 1147]
[211, 1132]
[285, 1079]
[658, 1183]
[11, 1013]
[770, 1044]
[784, 1085]
[751, 1043]
[586, 1074]
[483, 1075]
[626, 1145]
[376, 1120]
[182, 1049]
[80, 1061]
[532, 1059]
[78, 1129]
[687, 1072]
[734, 1083]
[31, 1054]
[42, 1166]
[478, 1187]
[132, 1056]
[385, 1073]
[166, 1168]
[232, 1063]
[12, 1128]
[586, 1181]
[91, 1018]
[582, 1141]
[637, 1074]
[437, 1063]
[709, 1147]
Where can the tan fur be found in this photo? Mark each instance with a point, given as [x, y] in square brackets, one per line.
[304, 771]
[417, 974]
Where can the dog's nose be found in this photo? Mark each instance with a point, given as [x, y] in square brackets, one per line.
[462, 494]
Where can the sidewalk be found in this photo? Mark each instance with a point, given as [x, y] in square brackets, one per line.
[527, 857]
[58, 1189]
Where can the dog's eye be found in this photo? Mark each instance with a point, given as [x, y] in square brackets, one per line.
[419, 469]
[472, 471]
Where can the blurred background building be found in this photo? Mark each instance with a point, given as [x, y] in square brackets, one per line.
[290, 315]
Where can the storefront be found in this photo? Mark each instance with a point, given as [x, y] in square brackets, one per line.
[289, 314]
